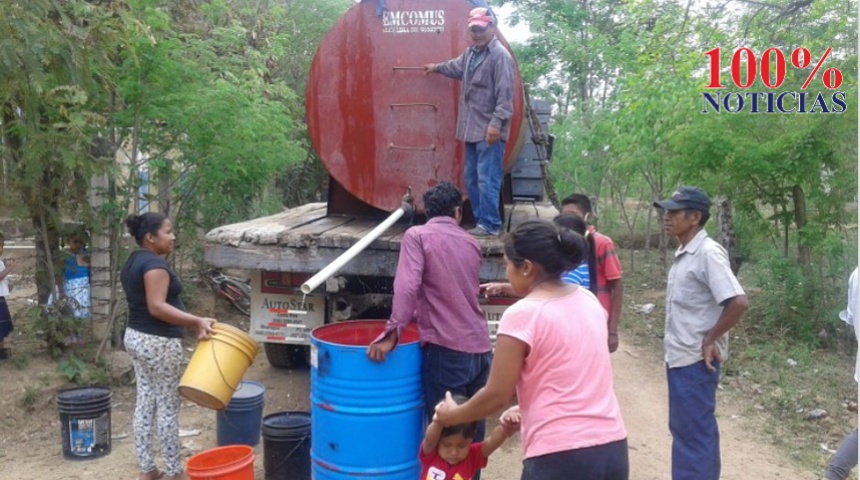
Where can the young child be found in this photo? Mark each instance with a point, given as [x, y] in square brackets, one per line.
[76, 276]
[585, 275]
[448, 453]
[6, 268]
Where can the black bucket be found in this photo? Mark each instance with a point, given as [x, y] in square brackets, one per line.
[287, 446]
[85, 422]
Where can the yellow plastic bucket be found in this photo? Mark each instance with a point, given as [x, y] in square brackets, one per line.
[217, 367]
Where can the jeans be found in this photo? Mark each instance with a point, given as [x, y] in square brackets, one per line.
[844, 460]
[601, 462]
[461, 373]
[695, 435]
[483, 175]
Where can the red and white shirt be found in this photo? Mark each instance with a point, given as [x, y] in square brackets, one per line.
[433, 467]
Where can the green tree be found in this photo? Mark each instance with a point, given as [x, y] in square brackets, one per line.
[54, 68]
[199, 96]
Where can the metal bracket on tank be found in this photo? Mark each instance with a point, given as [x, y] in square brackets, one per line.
[431, 148]
[417, 104]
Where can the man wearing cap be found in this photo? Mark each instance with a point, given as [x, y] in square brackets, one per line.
[703, 302]
[845, 459]
[486, 105]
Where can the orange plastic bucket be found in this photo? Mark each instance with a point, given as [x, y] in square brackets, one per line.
[233, 462]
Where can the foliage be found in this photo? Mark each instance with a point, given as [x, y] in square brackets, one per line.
[79, 371]
[195, 102]
[54, 64]
[72, 368]
[21, 362]
[792, 308]
[53, 325]
[211, 125]
[627, 80]
[191, 291]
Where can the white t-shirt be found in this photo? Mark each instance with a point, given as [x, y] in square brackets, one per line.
[849, 315]
[4, 284]
[700, 281]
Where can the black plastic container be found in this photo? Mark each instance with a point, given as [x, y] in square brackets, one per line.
[85, 422]
[287, 446]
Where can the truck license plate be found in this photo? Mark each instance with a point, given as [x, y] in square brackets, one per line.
[281, 314]
[280, 318]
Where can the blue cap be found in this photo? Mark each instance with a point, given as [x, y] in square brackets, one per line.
[686, 197]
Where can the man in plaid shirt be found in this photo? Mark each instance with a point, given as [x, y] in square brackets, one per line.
[486, 70]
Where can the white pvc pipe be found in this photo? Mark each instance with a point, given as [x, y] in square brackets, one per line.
[354, 250]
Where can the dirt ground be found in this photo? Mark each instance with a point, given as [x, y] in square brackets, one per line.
[30, 446]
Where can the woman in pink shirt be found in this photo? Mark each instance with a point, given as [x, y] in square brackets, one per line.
[551, 350]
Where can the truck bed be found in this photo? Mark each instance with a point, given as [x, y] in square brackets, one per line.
[306, 239]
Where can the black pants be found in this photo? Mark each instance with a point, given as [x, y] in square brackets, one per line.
[603, 462]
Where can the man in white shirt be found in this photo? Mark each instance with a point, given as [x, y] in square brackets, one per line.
[703, 302]
[845, 458]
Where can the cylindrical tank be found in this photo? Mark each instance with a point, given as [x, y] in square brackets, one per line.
[377, 121]
[366, 417]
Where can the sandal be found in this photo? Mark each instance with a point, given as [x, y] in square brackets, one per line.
[151, 475]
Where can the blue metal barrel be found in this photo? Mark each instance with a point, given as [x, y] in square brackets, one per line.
[366, 417]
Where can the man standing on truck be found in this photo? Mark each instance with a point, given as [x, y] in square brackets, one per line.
[609, 290]
[436, 285]
[486, 70]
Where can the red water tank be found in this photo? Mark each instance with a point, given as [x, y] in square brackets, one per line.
[377, 121]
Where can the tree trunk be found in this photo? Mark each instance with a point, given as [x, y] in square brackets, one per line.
[165, 205]
[727, 236]
[655, 182]
[42, 205]
[785, 243]
[45, 217]
[800, 220]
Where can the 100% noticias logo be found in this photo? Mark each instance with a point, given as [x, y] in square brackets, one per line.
[773, 71]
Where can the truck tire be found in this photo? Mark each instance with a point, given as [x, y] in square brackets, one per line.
[281, 355]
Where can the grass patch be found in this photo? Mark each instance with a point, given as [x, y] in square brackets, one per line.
[21, 362]
[45, 379]
[787, 381]
[771, 374]
[31, 396]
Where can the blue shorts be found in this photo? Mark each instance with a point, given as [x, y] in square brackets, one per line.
[5, 319]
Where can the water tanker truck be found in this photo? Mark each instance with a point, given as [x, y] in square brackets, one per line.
[382, 129]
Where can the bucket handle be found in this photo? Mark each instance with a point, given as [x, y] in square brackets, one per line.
[299, 444]
[218, 366]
